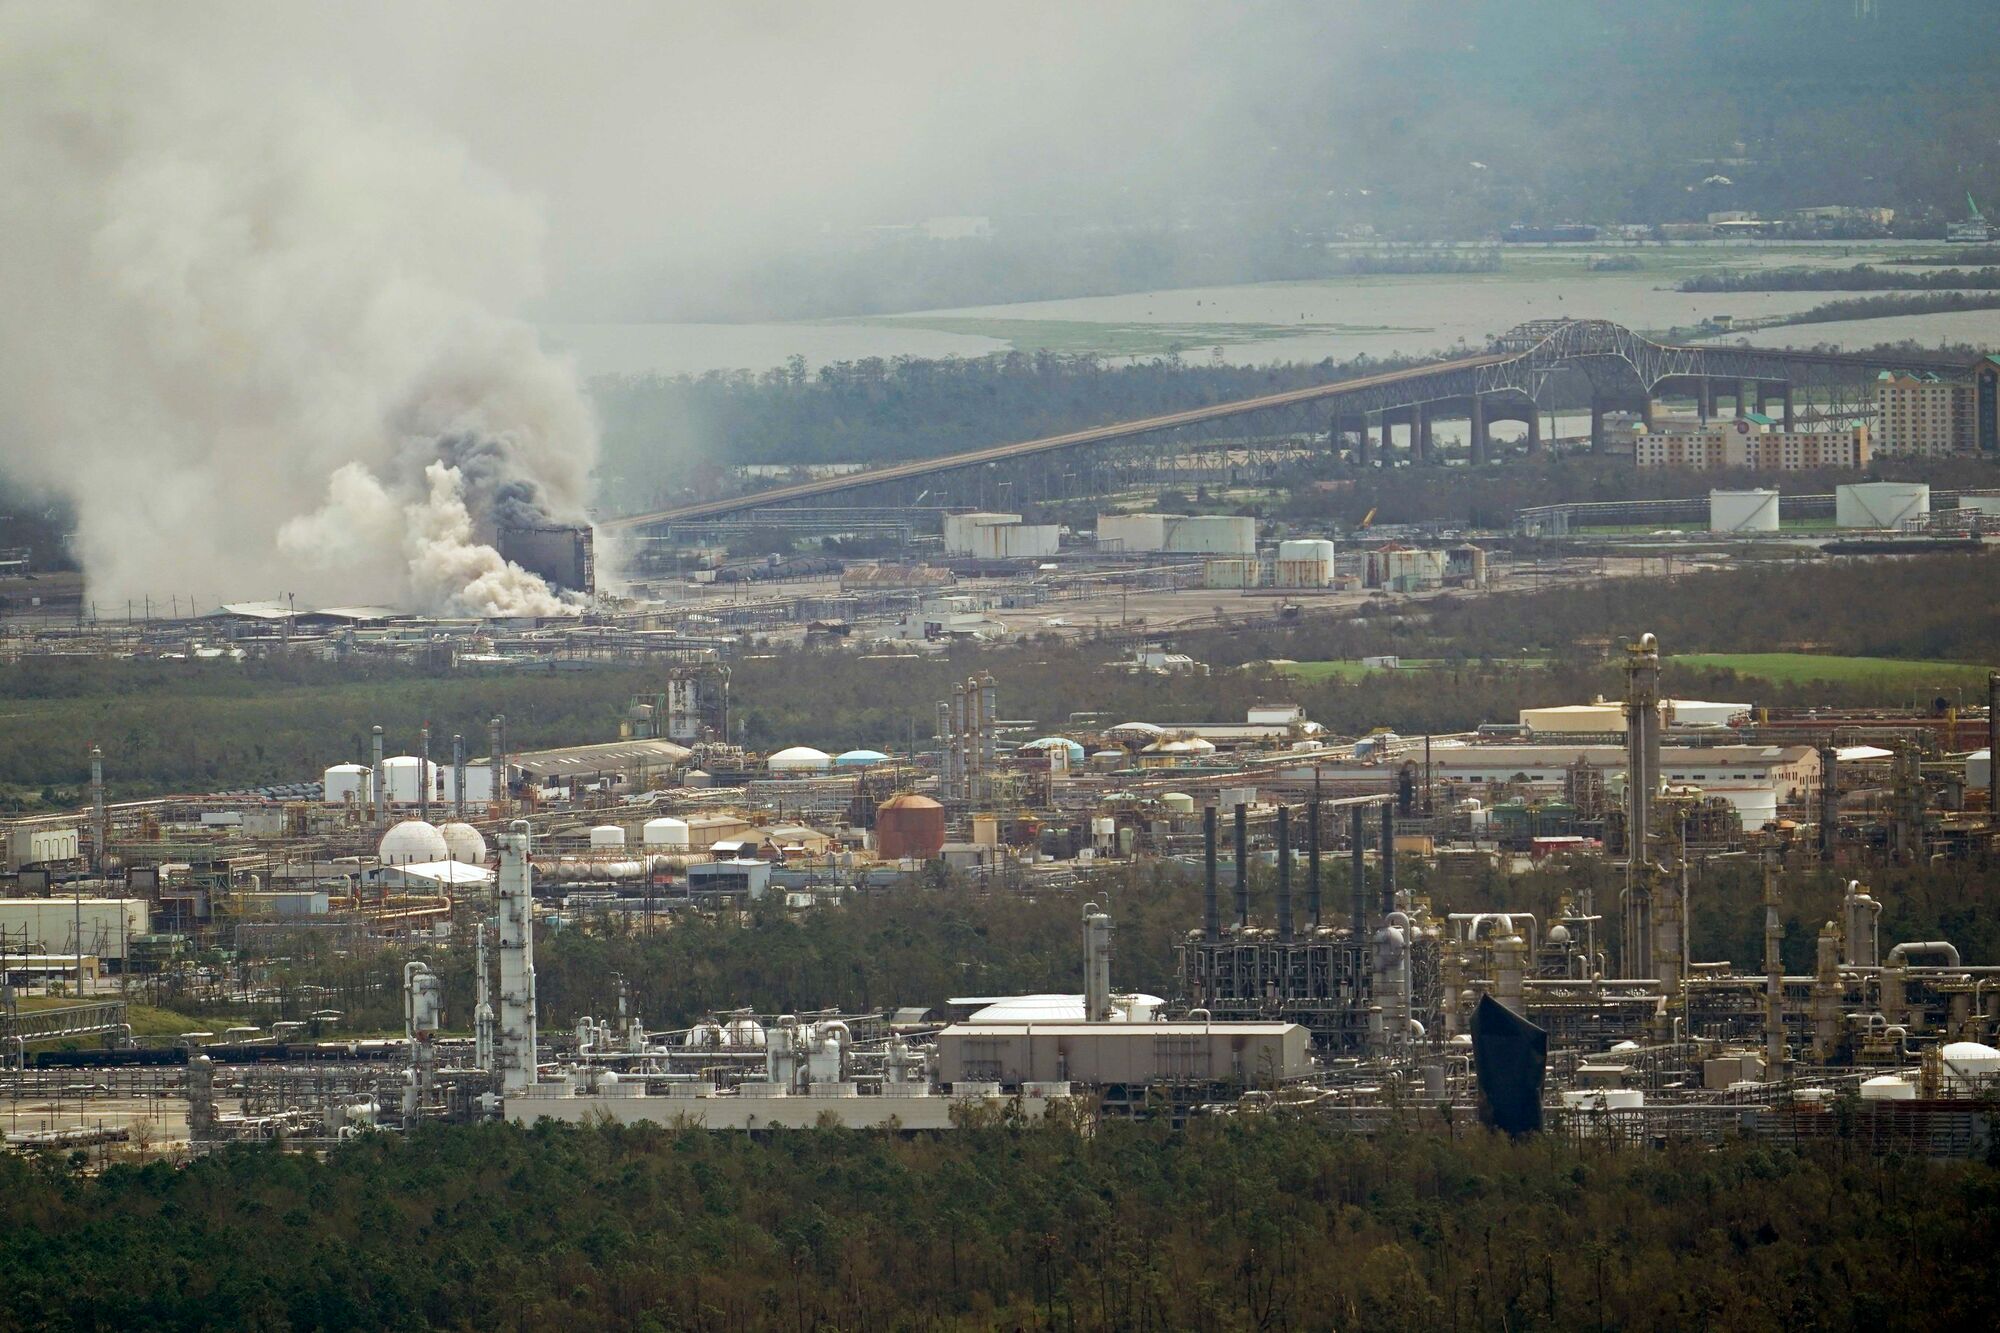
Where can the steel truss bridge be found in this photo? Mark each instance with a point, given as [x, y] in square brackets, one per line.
[1525, 372]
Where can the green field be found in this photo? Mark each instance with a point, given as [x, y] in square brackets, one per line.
[1803, 668]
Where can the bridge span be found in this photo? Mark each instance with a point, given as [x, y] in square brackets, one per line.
[1510, 381]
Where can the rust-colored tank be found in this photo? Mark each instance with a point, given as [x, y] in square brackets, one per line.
[909, 826]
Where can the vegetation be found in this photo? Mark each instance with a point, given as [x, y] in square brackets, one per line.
[1860, 278]
[1236, 1224]
[1808, 668]
[1888, 307]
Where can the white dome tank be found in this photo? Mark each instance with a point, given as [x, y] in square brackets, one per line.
[413, 842]
[800, 759]
[465, 843]
[607, 835]
[348, 784]
[404, 777]
[1888, 1088]
[666, 831]
[746, 1032]
[1970, 1066]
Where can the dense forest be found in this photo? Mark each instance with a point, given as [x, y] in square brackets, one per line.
[209, 726]
[1245, 1223]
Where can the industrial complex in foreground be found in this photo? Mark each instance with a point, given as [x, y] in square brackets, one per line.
[1318, 977]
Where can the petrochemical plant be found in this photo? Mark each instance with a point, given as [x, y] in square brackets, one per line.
[1318, 981]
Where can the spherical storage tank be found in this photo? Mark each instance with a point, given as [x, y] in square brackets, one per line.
[464, 844]
[909, 826]
[607, 835]
[348, 784]
[413, 842]
[666, 831]
[799, 759]
[1742, 511]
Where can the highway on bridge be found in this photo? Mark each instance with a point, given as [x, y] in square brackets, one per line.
[1521, 360]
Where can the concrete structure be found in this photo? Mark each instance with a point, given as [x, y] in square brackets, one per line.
[1752, 442]
[1925, 416]
[1881, 504]
[1398, 568]
[1743, 511]
[1258, 1055]
[36, 845]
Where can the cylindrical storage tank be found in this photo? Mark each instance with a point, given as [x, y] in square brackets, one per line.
[1970, 1066]
[412, 842]
[404, 777]
[1979, 770]
[607, 835]
[1179, 802]
[665, 831]
[1888, 1088]
[909, 826]
[800, 759]
[1881, 504]
[464, 843]
[1742, 511]
[1212, 534]
[348, 784]
[1307, 548]
[695, 777]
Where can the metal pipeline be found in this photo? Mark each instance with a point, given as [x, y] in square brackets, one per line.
[1312, 863]
[1242, 866]
[1901, 952]
[1357, 874]
[1284, 873]
[1211, 911]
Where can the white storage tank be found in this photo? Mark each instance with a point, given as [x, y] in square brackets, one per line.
[1970, 1066]
[1179, 802]
[1212, 534]
[606, 835]
[1979, 770]
[348, 784]
[1881, 504]
[464, 843]
[413, 842]
[800, 759]
[665, 831]
[1131, 533]
[478, 783]
[1742, 511]
[1888, 1088]
[961, 531]
[405, 774]
[1232, 573]
[1015, 541]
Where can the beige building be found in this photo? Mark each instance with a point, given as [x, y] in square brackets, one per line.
[1922, 416]
[1750, 443]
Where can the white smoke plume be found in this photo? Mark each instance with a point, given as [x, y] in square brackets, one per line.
[263, 341]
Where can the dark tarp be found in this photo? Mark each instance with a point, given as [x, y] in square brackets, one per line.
[1510, 1055]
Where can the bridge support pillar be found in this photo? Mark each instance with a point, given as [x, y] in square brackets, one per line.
[1476, 434]
[1745, 391]
[1534, 429]
[1360, 432]
[1705, 399]
[1388, 435]
[1423, 411]
[1787, 401]
[1596, 424]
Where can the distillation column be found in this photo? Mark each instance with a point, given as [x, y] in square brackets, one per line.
[381, 783]
[517, 960]
[1774, 980]
[1242, 866]
[1642, 769]
[100, 827]
[1096, 965]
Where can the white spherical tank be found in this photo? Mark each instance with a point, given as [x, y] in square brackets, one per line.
[800, 759]
[607, 835]
[665, 831]
[465, 844]
[348, 784]
[413, 842]
[1742, 511]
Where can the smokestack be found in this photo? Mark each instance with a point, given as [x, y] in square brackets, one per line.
[1096, 965]
[496, 749]
[1357, 872]
[1388, 857]
[100, 827]
[381, 783]
[1312, 863]
[424, 773]
[1284, 873]
[1211, 911]
[1242, 866]
[458, 776]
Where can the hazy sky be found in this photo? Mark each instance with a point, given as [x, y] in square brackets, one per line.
[688, 136]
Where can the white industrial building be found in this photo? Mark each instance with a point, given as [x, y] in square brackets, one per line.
[1881, 504]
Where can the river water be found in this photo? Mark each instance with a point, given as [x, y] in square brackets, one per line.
[1251, 324]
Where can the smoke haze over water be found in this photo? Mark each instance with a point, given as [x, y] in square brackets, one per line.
[266, 343]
